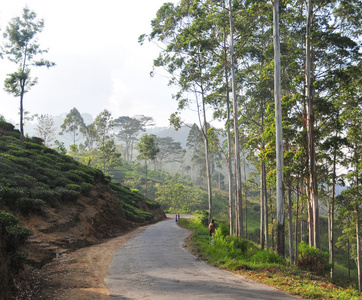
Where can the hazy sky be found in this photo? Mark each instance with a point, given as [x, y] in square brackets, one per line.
[99, 63]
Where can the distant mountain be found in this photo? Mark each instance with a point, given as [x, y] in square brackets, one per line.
[178, 136]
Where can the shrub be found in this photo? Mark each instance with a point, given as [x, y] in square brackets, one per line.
[85, 188]
[203, 217]
[73, 177]
[85, 176]
[10, 195]
[18, 234]
[223, 229]
[66, 195]
[43, 193]
[152, 204]
[23, 180]
[37, 140]
[73, 187]
[30, 145]
[267, 257]
[313, 259]
[29, 205]
[7, 219]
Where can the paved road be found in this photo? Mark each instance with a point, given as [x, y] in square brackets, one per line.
[155, 265]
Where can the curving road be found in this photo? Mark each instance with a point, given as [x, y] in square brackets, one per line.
[155, 265]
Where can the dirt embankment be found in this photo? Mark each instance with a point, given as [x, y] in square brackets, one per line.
[77, 275]
[64, 228]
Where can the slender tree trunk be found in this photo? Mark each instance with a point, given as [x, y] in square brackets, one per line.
[262, 191]
[290, 224]
[349, 261]
[228, 134]
[146, 180]
[331, 229]
[22, 114]
[279, 134]
[207, 153]
[209, 188]
[313, 187]
[296, 224]
[236, 129]
[265, 202]
[272, 221]
[358, 241]
[246, 201]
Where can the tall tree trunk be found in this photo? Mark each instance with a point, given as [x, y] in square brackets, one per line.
[239, 217]
[209, 188]
[265, 202]
[290, 223]
[358, 249]
[313, 187]
[228, 134]
[358, 240]
[296, 223]
[207, 155]
[146, 180]
[279, 133]
[22, 113]
[331, 227]
[246, 201]
[349, 261]
[262, 191]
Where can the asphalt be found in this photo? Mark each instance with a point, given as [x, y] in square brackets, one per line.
[155, 265]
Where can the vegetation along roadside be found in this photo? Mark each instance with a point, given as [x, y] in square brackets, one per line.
[306, 279]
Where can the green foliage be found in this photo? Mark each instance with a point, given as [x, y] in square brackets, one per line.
[73, 187]
[66, 195]
[135, 214]
[29, 205]
[85, 188]
[7, 219]
[35, 175]
[313, 259]
[13, 237]
[147, 147]
[267, 257]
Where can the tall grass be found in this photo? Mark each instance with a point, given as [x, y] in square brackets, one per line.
[244, 257]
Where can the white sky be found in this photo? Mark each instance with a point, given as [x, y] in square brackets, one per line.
[99, 63]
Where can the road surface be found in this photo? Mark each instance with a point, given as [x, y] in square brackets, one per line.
[155, 265]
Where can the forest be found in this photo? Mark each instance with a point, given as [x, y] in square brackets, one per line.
[284, 77]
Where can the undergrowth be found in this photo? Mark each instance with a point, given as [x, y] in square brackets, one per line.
[244, 257]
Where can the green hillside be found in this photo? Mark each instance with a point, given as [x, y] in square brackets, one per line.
[51, 204]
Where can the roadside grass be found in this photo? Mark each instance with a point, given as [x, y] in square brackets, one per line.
[245, 258]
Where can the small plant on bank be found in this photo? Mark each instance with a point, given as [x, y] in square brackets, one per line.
[313, 259]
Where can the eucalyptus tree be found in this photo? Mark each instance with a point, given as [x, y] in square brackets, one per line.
[103, 125]
[148, 150]
[279, 132]
[129, 130]
[21, 47]
[74, 126]
[188, 58]
[351, 198]
[170, 151]
[46, 128]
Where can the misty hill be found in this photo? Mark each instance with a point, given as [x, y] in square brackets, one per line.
[178, 136]
[51, 204]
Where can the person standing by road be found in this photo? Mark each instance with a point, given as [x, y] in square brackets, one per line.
[211, 230]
